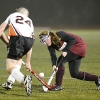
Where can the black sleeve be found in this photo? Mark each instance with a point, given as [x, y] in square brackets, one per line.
[52, 55]
[66, 38]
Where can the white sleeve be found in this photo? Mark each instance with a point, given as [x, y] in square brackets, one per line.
[8, 19]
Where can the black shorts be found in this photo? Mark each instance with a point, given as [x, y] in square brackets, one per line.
[69, 58]
[19, 46]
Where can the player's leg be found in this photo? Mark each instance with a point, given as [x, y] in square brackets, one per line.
[59, 79]
[59, 75]
[10, 81]
[75, 73]
[18, 76]
[61, 70]
[17, 51]
[13, 69]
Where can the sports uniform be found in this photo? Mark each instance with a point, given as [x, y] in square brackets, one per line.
[75, 48]
[21, 32]
[21, 35]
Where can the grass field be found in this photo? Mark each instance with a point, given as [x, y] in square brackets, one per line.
[73, 89]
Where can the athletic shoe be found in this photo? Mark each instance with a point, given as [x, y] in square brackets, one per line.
[98, 83]
[27, 83]
[7, 85]
[57, 88]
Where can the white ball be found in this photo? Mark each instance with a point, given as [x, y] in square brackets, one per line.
[41, 74]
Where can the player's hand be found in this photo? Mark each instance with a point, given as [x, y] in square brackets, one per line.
[55, 68]
[28, 67]
[64, 54]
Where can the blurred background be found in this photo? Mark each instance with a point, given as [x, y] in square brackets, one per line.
[56, 13]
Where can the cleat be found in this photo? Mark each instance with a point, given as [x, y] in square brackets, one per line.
[27, 84]
[57, 88]
[98, 83]
[7, 85]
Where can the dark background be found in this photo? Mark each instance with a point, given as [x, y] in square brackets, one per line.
[56, 13]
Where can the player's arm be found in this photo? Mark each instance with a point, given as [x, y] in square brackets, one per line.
[53, 57]
[2, 28]
[4, 38]
[28, 59]
[2, 35]
[67, 38]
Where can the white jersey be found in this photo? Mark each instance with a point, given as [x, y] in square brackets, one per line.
[20, 25]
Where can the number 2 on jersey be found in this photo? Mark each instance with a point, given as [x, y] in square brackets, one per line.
[20, 20]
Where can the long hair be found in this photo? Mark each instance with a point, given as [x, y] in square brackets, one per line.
[54, 38]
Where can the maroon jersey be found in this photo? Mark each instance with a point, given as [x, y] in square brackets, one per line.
[75, 44]
[79, 47]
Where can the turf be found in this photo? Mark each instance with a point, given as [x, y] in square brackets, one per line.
[73, 89]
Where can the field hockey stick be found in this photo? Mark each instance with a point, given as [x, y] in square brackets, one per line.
[51, 77]
[39, 78]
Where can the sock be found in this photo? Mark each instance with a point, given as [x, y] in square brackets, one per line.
[10, 78]
[59, 76]
[87, 76]
[17, 75]
[18, 67]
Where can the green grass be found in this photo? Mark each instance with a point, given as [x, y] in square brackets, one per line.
[73, 89]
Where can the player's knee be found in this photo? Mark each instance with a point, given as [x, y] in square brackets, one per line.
[74, 75]
[9, 70]
[10, 65]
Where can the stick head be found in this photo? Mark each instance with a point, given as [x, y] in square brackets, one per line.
[45, 89]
